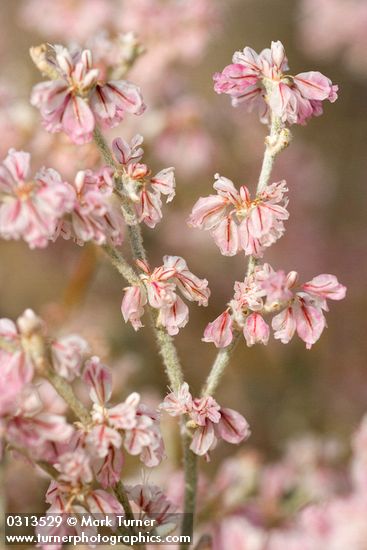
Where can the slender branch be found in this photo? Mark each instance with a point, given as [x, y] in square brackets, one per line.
[191, 473]
[165, 343]
[220, 363]
[119, 262]
[121, 494]
[103, 147]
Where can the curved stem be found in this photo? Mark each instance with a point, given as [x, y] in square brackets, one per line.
[119, 262]
[220, 363]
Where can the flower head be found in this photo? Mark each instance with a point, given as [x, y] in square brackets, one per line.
[207, 421]
[95, 216]
[237, 222]
[139, 185]
[77, 98]
[159, 290]
[261, 82]
[299, 309]
[31, 207]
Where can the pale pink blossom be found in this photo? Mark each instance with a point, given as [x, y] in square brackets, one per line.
[16, 364]
[297, 308]
[132, 306]
[138, 184]
[153, 503]
[31, 207]
[78, 99]
[159, 290]
[179, 402]
[108, 469]
[95, 216]
[238, 222]
[208, 422]
[68, 355]
[123, 415]
[256, 330]
[102, 438]
[98, 377]
[220, 331]
[129, 424]
[261, 82]
[74, 467]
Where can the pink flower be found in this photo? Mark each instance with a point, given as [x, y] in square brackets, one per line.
[78, 98]
[74, 467]
[68, 354]
[98, 378]
[159, 291]
[138, 184]
[178, 403]
[30, 208]
[16, 365]
[150, 500]
[208, 421]
[205, 409]
[123, 415]
[238, 223]
[259, 81]
[326, 287]
[102, 438]
[256, 330]
[219, 331]
[266, 292]
[132, 307]
[108, 469]
[232, 426]
[95, 217]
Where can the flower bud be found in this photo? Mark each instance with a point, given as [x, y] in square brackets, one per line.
[29, 323]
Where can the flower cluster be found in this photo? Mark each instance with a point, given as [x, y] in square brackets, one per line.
[30, 208]
[266, 291]
[95, 216]
[158, 288]
[260, 81]
[27, 419]
[138, 184]
[129, 423]
[238, 222]
[41, 208]
[77, 98]
[207, 421]
[152, 503]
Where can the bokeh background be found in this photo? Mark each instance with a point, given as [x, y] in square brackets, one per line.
[283, 391]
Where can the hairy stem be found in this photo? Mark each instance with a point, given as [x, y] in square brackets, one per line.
[103, 147]
[191, 472]
[220, 363]
[119, 262]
